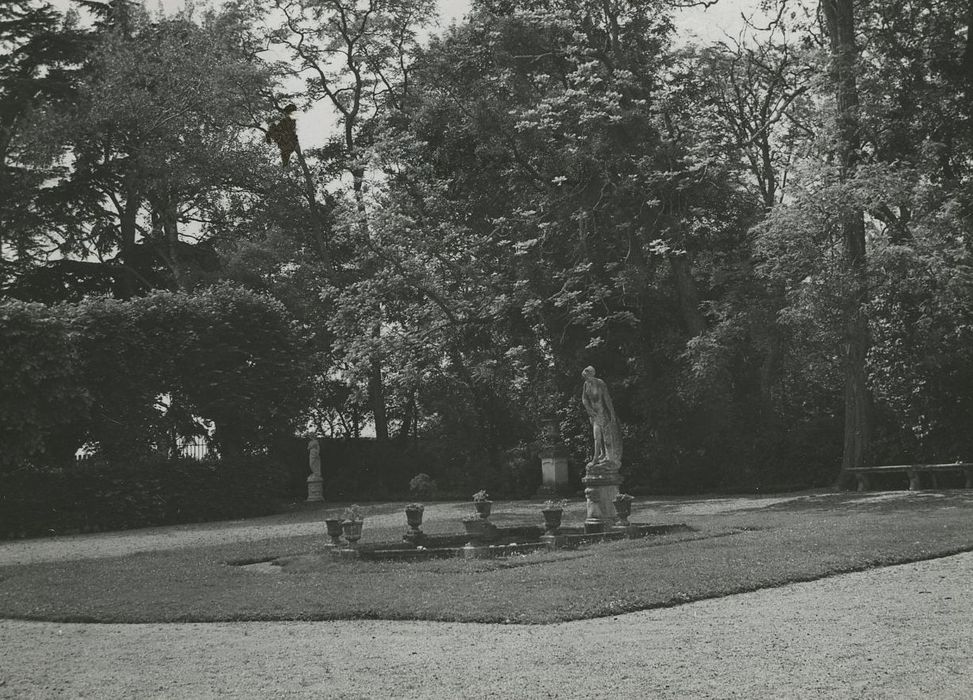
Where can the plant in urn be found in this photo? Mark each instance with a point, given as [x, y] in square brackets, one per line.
[351, 526]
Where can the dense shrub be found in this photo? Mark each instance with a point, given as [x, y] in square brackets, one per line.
[157, 491]
[130, 375]
[241, 363]
[41, 390]
[422, 486]
[123, 354]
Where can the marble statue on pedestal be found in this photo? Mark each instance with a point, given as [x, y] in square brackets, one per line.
[602, 476]
[604, 424]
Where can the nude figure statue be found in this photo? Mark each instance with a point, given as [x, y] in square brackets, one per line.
[604, 424]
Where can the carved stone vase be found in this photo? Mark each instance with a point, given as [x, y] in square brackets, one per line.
[552, 520]
[483, 508]
[623, 509]
[352, 531]
[413, 517]
[334, 531]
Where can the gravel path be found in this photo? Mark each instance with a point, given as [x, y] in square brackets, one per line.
[899, 632]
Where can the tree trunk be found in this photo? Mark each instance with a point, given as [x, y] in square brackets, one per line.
[376, 395]
[770, 374]
[687, 295]
[409, 419]
[128, 281]
[839, 20]
[170, 232]
[966, 63]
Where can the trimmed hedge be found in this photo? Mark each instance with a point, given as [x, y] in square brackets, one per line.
[98, 497]
[41, 390]
[96, 371]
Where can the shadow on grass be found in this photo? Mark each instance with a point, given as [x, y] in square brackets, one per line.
[878, 501]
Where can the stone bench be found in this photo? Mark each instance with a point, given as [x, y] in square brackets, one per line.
[913, 470]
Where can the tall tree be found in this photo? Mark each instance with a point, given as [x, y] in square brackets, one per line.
[839, 25]
[547, 214]
[41, 52]
[156, 131]
[353, 56]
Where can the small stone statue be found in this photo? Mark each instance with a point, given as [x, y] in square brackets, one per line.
[315, 482]
[314, 456]
[606, 431]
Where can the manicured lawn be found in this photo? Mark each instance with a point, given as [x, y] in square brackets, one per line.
[809, 538]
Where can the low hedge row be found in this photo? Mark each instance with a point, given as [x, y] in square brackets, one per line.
[97, 497]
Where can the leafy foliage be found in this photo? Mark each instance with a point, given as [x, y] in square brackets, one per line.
[150, 137]
[42, 392]
[762, 243]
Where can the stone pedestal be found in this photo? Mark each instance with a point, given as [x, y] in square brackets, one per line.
[315, 488]
[601, 483]
[554, 471]
[481, 532]
[415, 537]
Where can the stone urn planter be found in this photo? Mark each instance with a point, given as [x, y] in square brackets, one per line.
[351, 526]
[553, 511]
[482, 503]
[413, 516]
[623, 507]
[552, 520]
[334, 530]
[352, 531]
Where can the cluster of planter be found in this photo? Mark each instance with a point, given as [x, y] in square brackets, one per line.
[553, 511]
[350, 526]
[483, 538]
